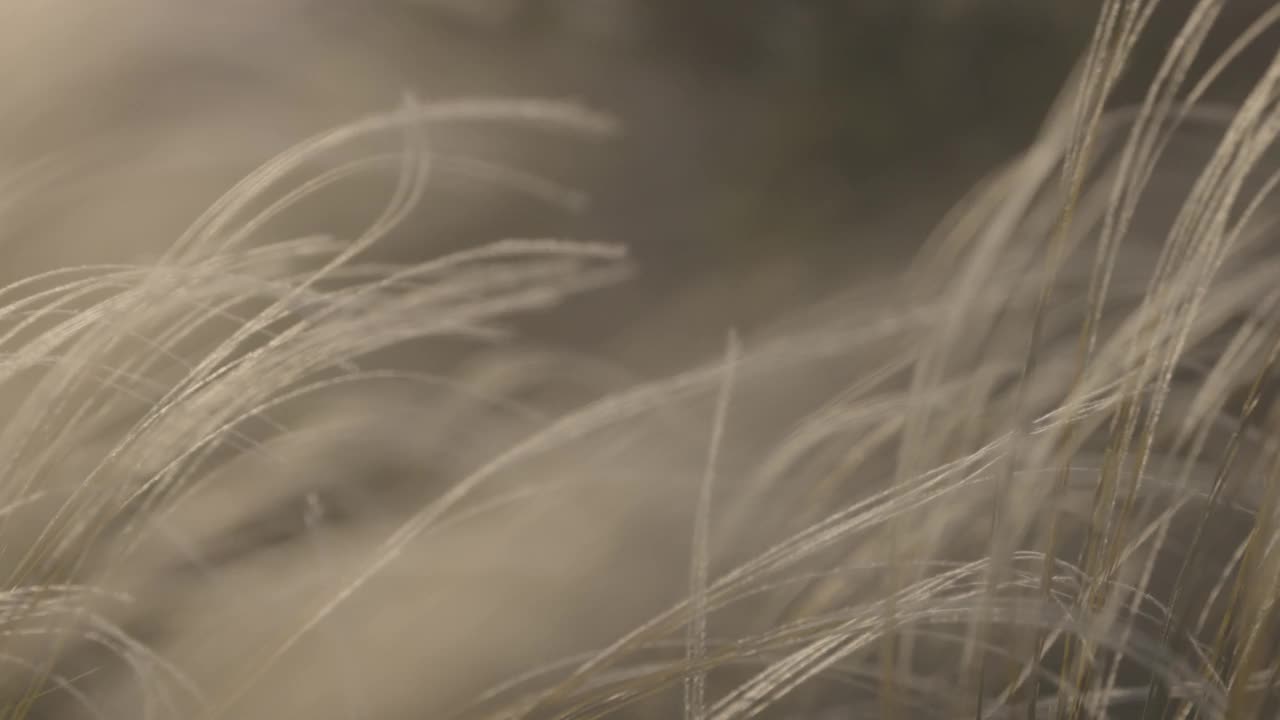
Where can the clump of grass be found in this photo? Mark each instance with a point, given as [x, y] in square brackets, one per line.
[1033, 476]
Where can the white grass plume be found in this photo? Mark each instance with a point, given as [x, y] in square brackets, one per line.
[268, 476]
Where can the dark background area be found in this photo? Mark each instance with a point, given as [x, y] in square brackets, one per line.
[751, 125]
[772, 152]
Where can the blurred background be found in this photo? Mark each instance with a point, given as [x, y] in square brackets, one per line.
[770, 150]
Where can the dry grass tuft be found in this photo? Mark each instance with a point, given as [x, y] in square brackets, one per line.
[261, 475]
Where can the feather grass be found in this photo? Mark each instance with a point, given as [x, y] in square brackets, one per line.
[1033, 476]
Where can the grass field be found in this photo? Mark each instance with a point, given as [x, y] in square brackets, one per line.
[342, 376]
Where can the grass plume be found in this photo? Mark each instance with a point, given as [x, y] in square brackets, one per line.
[255, 473]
